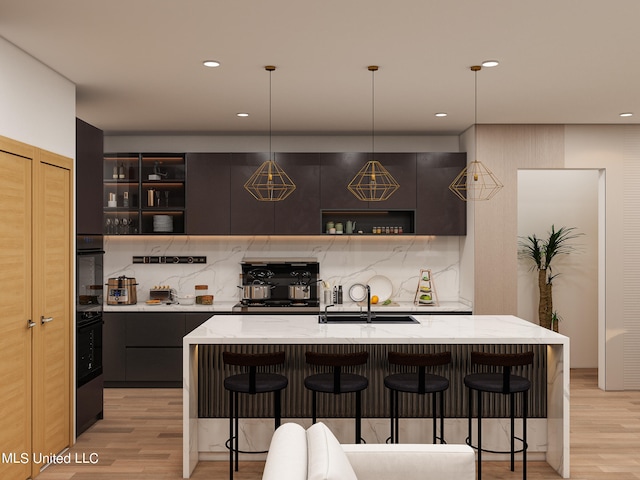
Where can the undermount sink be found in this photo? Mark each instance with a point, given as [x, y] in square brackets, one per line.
[378, 319]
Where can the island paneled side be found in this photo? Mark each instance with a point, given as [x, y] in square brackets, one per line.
[296, 401]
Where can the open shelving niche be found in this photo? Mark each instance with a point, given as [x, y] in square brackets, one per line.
[366, 220]
[134, 176]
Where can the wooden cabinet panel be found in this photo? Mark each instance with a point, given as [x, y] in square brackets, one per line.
[248, 215]
[439, 211]
[52, 364]
[35, 315]
[208, 194]
[15, 312]
[299, 213]
[89, 159]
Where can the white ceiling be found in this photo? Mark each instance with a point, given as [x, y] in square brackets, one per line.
[138, 67]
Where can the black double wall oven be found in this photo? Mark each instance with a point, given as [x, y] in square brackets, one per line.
[89, 322]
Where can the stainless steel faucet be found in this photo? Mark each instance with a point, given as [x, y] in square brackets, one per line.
[368, 304]
[325, 317]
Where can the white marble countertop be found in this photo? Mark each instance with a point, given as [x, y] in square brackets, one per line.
[226, 306]
[433, 329]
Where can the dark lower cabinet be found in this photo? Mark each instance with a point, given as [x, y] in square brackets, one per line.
[144, 349]
[439, 210]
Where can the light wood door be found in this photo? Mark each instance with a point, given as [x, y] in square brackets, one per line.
[15, 313]
[52, 335]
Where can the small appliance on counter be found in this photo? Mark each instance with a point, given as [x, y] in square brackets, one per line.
[279, 285]
[122, 291]
[163, 293]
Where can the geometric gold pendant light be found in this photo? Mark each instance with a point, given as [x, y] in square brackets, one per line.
[270, 183]
[373, 183]
[476, 182]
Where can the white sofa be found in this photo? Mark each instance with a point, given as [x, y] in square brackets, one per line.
[316, 454]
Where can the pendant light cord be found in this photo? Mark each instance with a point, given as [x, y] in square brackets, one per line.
[270, 134]
[475, 69]
[373, 112]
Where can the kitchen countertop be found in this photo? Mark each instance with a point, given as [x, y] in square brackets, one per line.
[225, 307]
[433, 329]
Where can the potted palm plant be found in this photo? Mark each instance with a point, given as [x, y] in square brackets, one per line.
[542, 252]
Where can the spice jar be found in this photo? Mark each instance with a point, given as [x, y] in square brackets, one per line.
[202, 295]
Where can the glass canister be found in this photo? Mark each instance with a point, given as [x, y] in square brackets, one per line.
[202, 295]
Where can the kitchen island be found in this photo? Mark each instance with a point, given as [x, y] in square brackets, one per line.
[438, 330]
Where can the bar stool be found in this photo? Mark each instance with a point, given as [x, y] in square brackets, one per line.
[251, 383]
[505, 383]
[338, 382]
[418, 382]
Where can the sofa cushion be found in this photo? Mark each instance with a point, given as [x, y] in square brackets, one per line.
[326, 459]
[287, 457]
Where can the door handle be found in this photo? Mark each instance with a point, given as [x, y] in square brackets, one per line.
[44, 320]
[30, 324]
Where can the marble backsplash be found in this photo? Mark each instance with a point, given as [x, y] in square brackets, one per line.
[344, 260]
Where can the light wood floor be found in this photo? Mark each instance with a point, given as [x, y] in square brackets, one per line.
[141, 438]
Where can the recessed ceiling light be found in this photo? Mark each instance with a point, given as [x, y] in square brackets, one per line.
[211, 63]
[441, 114]
[626, 114]
[490, 63]
[242, 114]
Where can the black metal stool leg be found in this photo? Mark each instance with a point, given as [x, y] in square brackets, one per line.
[313, 405]
[525, 407]
[469, 417]
[358, 418]
[237, 429]
[512, 401]
[479, 435]
[435, 416]
[392, 416]
[277, 407]
[442, 417]
[231, 435]
[396, 421]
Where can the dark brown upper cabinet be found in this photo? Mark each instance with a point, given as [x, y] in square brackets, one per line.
[338, 169]
[89, 152]
[248, 215]
[299, 213]
[439, 211]
[208, 193]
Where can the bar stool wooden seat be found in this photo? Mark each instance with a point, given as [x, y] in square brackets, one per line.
[417, 382]
[500, 381]
[337, 381]
[251, 383]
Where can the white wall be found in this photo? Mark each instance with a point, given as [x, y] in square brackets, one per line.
[38, 105]
[614, 149]
[563, 198]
